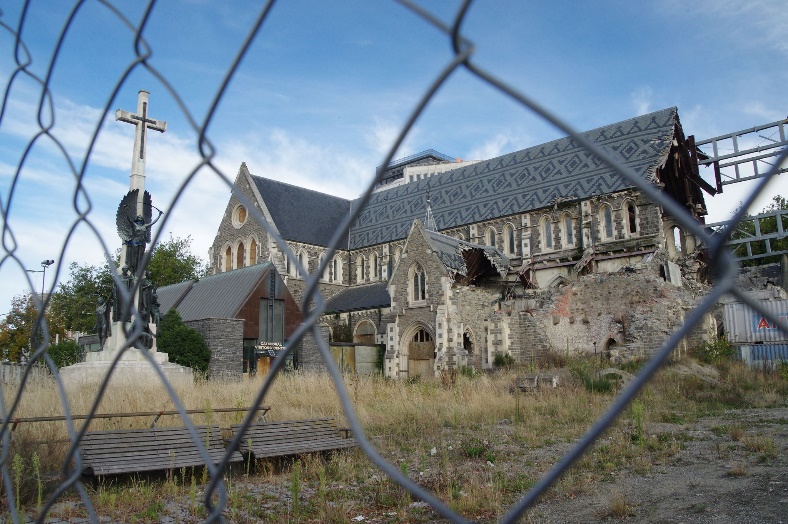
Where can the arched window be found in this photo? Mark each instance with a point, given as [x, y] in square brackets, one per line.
[490, 237]
[303, 260]
[460, 236]
[290, 267]
[568, 230]
[547, 233]
[252, 252]
[678, 239]
[374, 273]
[632, 218]
[422, 335]
[361, 269]
[509, 243]
[336, 269]
[228, 259]
[606, 219]
[240, 255]
[417, 284]
[326, 275]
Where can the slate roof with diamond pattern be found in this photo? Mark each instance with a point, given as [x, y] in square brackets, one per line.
[518, 182]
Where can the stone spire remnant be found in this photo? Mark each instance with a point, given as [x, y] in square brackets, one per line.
[429, 220]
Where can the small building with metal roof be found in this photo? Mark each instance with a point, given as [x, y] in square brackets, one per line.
[246, 316]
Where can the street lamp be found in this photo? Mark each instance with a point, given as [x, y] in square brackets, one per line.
[44, 264]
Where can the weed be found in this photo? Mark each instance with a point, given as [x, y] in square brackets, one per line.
[636, 410]
[39, 485]
[617, 507]
[738, 469]
[295, 487]
[18, 465]
[761, 444]
[475, 448]
[151, 512]
[736, 433]
[588, 376]
[716, 351]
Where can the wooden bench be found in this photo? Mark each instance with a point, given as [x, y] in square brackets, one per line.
[292, 437]
[140, 450]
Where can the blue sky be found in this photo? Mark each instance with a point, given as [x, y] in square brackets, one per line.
[326, 86]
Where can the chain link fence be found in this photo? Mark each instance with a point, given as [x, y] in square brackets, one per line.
[722, 265]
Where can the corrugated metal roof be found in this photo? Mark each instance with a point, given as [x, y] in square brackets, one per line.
[221, 295]
[170, 296]
[369, 296]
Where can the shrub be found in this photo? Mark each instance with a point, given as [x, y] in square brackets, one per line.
[503, 360]
[184, 345]
[64, 353]
[716, 351]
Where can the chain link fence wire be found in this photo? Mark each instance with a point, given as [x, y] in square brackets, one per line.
[215, 497]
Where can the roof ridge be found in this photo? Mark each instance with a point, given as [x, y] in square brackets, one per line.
[301, 188]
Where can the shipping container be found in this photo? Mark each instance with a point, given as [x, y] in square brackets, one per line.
[763, 356]
[743, 325]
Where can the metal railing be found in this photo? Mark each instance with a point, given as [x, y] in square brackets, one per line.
[215, 499]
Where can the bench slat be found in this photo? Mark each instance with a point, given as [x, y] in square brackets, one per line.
[131, 451]
[292, 437]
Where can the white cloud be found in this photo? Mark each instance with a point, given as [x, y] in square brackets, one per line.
[642, 99]
[497, 145]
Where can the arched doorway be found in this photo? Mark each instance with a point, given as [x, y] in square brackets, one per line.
[610, 347]
[365, 333]
[421, 354]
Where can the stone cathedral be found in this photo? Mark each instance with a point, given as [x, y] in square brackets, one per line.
[452, 263]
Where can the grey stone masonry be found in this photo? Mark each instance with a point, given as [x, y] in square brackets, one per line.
[224, 337]
[309, 358]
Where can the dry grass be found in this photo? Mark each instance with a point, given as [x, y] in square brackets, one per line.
[473, 443]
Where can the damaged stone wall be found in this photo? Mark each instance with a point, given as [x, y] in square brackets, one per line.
[624, 315]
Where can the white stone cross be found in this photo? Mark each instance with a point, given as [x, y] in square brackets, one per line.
[142, 122]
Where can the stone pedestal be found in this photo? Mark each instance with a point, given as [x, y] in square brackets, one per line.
[132, 368]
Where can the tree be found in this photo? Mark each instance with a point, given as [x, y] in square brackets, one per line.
[20, 334]
[767, 225]
[172, 261]
[75, 300]
[184, 345]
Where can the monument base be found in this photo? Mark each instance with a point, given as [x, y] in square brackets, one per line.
[133, 367]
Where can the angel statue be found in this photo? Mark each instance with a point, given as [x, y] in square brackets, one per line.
[133, 228]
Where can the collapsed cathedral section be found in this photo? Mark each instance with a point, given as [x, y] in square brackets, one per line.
[452, 263]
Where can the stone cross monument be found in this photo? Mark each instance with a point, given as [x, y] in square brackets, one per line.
[121, 313]
[142, 123]
[134, 220]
